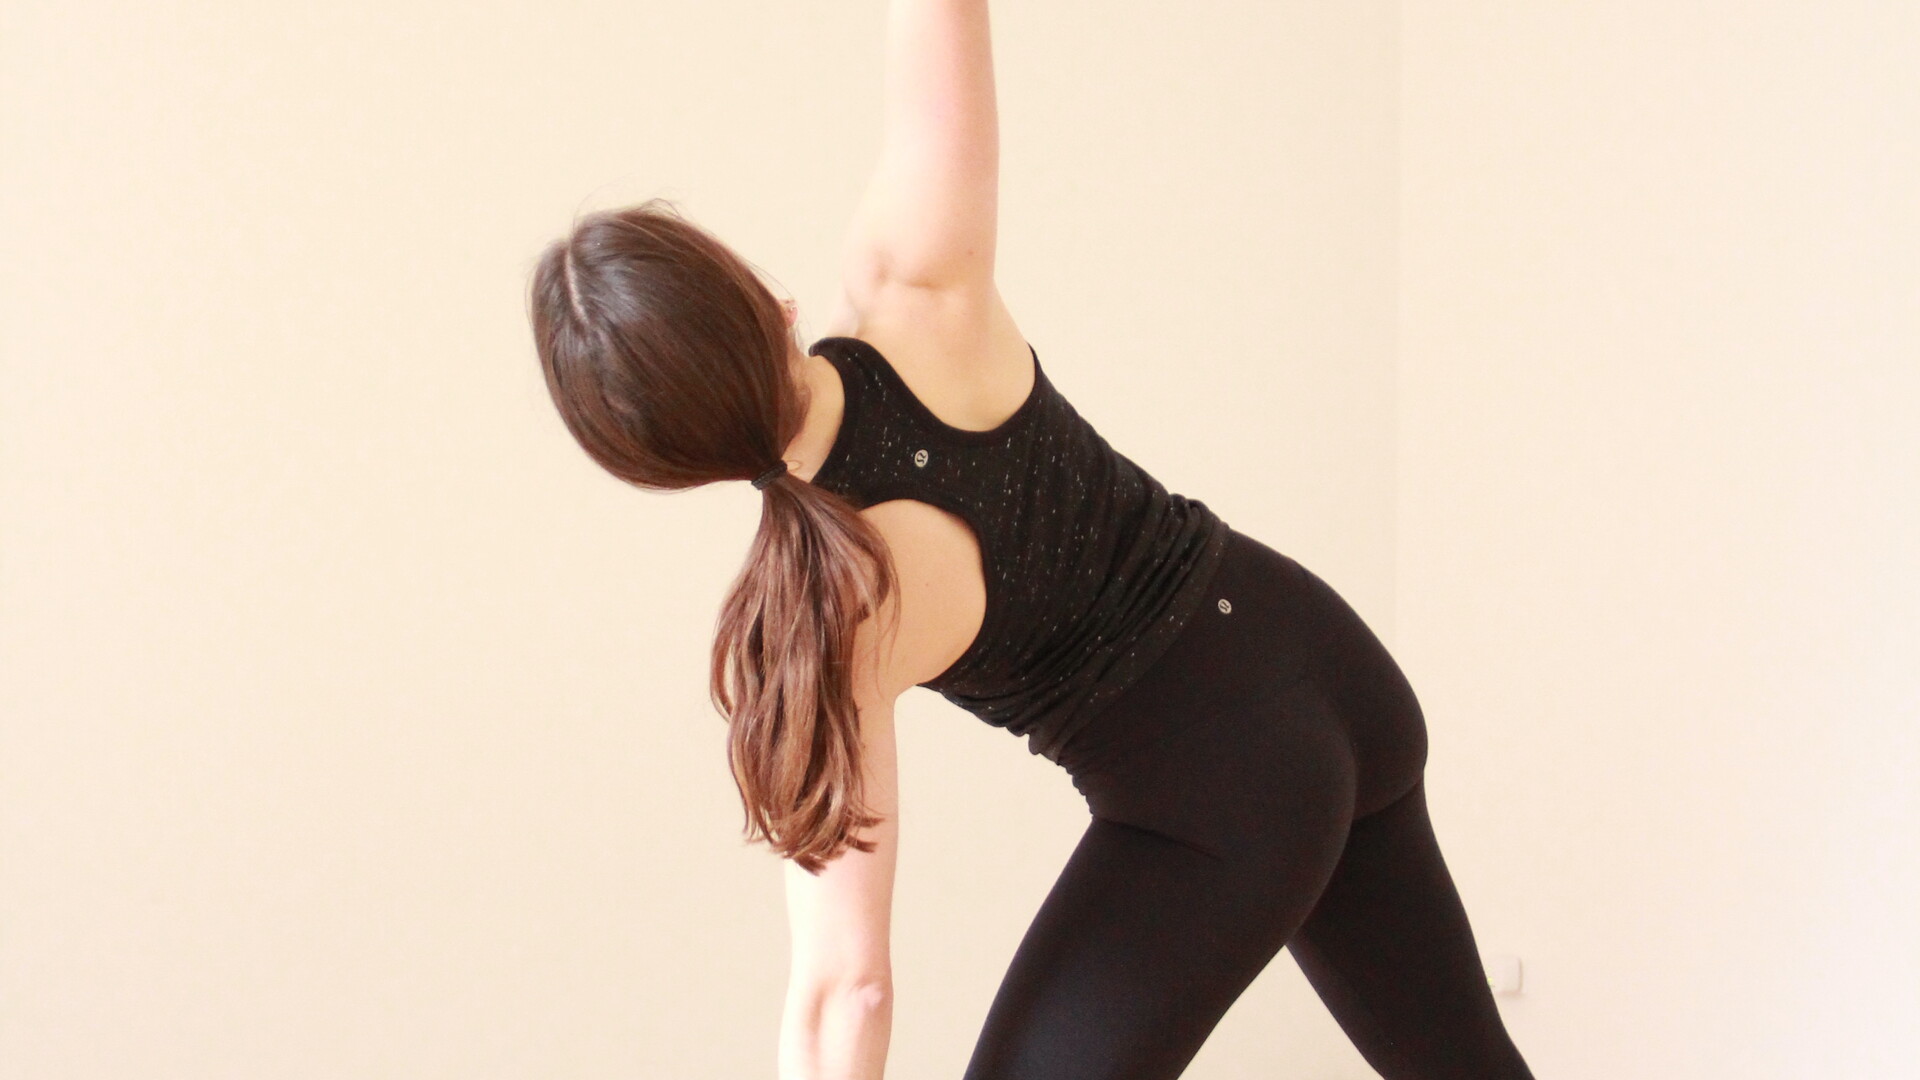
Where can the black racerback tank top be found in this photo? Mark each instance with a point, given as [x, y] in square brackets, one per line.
[1091, 565]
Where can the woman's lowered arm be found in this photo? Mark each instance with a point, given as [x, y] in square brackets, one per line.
[838, 1015]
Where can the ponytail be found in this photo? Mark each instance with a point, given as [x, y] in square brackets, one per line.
[783, 666]
[670, 363]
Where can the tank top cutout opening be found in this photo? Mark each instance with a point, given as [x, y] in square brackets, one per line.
[993, 605]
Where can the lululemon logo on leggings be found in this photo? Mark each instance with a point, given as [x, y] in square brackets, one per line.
[920, 459]
[1224, 606]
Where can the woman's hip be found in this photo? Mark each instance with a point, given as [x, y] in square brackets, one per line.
[1275, 676]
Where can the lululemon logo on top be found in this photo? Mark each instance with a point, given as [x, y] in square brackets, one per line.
[1224, 606]
[920, 459]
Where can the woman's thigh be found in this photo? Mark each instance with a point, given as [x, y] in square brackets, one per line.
[1203, 858]
[1390, 951]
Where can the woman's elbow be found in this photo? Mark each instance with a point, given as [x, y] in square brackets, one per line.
[868, 992]
[870, 995]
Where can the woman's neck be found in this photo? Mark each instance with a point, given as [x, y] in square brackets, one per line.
[826, 403]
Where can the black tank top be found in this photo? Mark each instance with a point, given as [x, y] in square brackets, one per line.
[1091, 565]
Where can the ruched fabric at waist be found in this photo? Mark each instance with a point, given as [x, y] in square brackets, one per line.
[1244, 612]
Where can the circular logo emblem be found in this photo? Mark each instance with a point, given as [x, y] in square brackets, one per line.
[1224, 606]
[920, 459]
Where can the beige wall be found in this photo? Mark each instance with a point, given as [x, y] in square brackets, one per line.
[1660, 313]
[351, 725]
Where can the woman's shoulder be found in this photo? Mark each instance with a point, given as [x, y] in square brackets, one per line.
[958, 350]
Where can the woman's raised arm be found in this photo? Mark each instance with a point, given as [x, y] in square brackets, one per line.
[929, 215]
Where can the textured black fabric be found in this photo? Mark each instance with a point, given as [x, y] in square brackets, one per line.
[1091, 565]
[1261, 787]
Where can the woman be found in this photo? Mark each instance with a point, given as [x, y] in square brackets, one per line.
[936, 514]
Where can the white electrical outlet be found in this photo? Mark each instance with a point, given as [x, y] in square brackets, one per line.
[1503, 973]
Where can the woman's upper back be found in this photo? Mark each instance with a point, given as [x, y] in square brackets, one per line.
[967, 362]
[1052, 568]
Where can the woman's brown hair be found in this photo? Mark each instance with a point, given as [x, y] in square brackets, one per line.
[670, 363]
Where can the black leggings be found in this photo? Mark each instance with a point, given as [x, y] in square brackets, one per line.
[1259, 787]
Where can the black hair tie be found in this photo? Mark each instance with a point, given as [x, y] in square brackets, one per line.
[768, 477]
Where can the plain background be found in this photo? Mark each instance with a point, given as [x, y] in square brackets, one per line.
[355, 726]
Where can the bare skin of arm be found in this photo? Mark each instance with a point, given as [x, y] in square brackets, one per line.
[928, 218]
[918, 261]
[918, 283]
[839, 1007]
[838, 1015]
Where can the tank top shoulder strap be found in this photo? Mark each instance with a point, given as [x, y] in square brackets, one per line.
[876, 377]
[872, 422]
[891, 445]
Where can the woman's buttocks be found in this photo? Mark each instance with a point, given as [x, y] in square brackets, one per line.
[1274, 664]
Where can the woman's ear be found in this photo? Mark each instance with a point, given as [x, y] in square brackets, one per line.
[792, 309]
